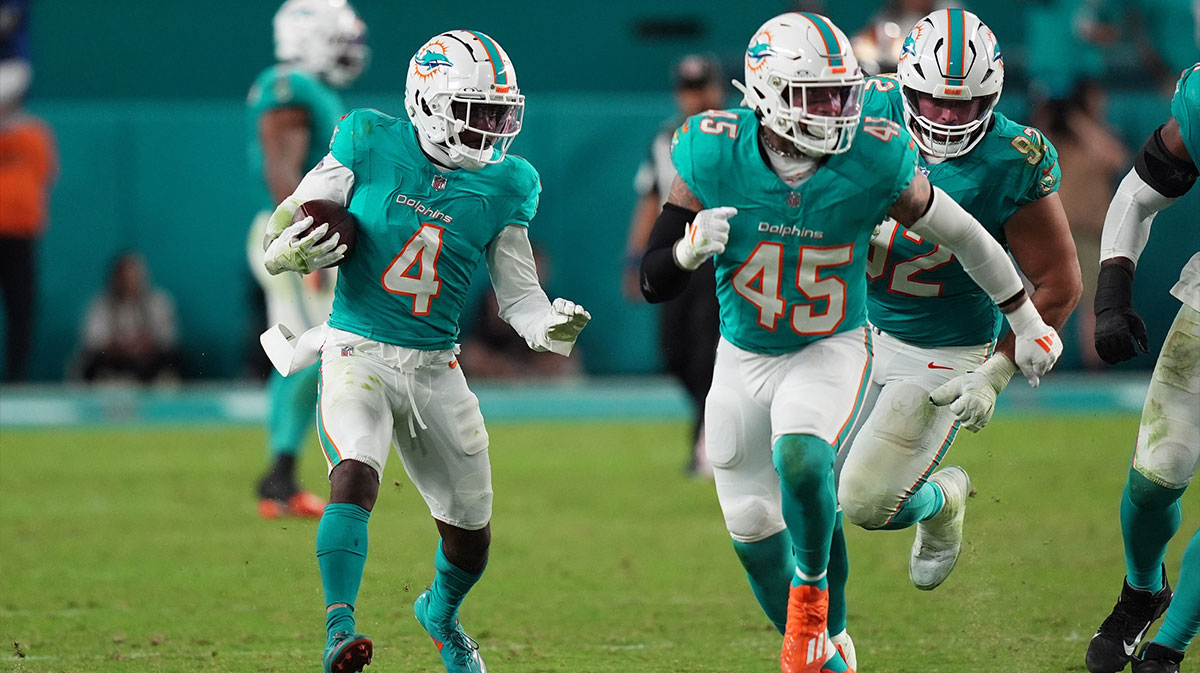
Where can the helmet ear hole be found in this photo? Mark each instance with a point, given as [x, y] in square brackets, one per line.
[425, 107]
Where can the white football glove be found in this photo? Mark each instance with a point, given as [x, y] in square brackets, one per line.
[704, 237]
[972, 396]
[1038, 345]
[567, 319]
[289, 252]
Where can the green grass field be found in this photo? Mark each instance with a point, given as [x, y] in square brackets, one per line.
[140, 550]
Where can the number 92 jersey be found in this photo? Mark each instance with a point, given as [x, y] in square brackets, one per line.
[794, 270]
[918, 291]
[421, 232]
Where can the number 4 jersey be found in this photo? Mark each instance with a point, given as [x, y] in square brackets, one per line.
[794, 270]
[421, 231]
[918, 291]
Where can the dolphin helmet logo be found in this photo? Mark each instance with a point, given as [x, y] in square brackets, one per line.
[430, 58]
[759, 50]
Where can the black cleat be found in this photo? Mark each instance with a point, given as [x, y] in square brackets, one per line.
[1158, 658]
[1115, 642]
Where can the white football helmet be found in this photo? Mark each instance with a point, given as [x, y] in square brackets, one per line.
[324, 37]
[462, 95]
[804, 82]
[950, 68]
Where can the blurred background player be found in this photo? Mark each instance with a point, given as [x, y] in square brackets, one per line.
[389, 372]
[130, 330]
[791, 260]
[934, 328]
[28, 167]
[688, 324]
[291, 111]
[1167, 453]
[879, 44]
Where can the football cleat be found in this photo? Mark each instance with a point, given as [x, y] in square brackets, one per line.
[806, 643]
[460, 654]
[939, 539]
[1118, 636]
[347, 653]
[305, 505]
[845, 647]
[1158, 658]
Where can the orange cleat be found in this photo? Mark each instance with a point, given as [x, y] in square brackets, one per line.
[806, 646]
[305, 505]
[271, 509]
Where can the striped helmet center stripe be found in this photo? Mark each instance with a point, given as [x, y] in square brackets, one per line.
[832, 46]
[493, 55]
[956, 55]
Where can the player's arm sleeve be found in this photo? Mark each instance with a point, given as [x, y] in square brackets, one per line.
[947, 223]
[1158, 178]
[329, 180]
[522, 301]
[661, 277]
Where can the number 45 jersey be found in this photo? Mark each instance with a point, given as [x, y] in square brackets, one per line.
[794, 270]
[918, 291]
[421, 231]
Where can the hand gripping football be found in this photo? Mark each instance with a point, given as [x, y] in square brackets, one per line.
[340, 221]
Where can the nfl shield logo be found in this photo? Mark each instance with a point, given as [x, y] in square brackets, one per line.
[347, 351]
[793, 200]
[439, 182]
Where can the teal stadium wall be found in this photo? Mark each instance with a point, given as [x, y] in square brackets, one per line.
[150, 128]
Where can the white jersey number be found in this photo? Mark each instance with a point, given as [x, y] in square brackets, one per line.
[414, 271]
[759, 280]
[903, 280]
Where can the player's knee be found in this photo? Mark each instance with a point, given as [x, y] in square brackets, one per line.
[1148, 485]
[354, 482]
[803, 462]
[751, 518]
[864, 499]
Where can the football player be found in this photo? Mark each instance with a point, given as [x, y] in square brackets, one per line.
[784, 198]
[432, 197]
[935, 329]
[1167, 452]
[292, 108]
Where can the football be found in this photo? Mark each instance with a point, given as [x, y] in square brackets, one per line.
[340, 221]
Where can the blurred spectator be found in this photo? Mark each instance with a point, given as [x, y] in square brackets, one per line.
[28, 166]
[130, 328]
[1092, 159]
[878, 44]
[495, 351]
[688, 327]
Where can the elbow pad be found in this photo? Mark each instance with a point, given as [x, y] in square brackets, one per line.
[1166, 173]
[947, 223]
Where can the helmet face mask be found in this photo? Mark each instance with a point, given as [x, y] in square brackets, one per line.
[465, 99]
[804, 83]
[951, 74]
[322, 37]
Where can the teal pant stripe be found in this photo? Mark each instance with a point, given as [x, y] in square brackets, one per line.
[327, 446]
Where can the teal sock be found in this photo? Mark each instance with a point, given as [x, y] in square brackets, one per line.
[839, 574]
[922, 505]
[1150, 515]
[805, 467]
[449, 588]
[770, 567]
[1182, 622]
[341, 555]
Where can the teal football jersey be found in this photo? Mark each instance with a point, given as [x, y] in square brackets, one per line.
[421, 231]
[794, 269]
[918, 291]
[1185, 108]
[283, 86]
